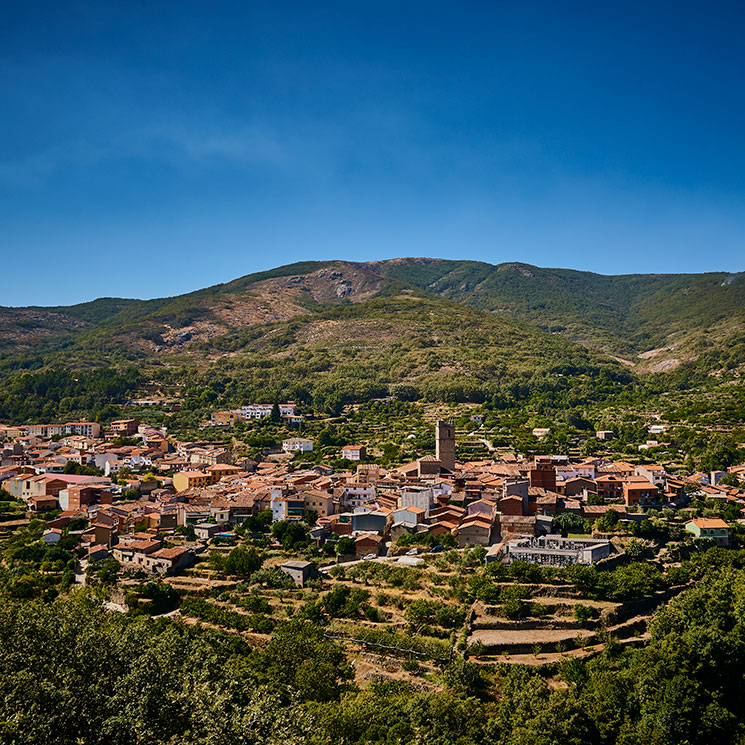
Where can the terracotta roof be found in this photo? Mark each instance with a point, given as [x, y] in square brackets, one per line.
[709, 522]
[171, 553]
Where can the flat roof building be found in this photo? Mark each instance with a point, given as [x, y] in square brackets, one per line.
[553, 550]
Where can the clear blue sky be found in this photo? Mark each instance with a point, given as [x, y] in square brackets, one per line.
[151, 148]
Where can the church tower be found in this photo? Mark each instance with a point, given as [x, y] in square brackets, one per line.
[445, 444]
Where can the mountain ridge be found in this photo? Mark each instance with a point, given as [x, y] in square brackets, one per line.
[653, 322]
[297, 267]
[334, 333]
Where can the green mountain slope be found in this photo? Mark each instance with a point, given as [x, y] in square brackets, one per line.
[408, 344]
[330, 332]
[438, 329]
[647, 319]
[632, 316]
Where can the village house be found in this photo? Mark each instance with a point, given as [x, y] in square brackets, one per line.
[288, 508]
[225, 418]
[577, 486]
[609, 486]
[417, 496]
[28, 485]
[78, 496]
[132, 550]
[220, 470]
[368, 543]
[10, 433]
[475, 530]
[169, 560]
[319, 502]
[483, 507]
[517, 525]
[105, 527]
[367, 473]
[125, 427]
[543, 473]
[297, 445]
[593, 511]
[209, 456]
[409, 515]
[42, 504]
[260, 411]
[637, 490]
[356, 495]
[87, 429]
[713, 528]
[45, 431]
[513, 505]
[374, 521]
[653, 473]
[185, 480]
[354, 452]
[301, 572]
[205, 531]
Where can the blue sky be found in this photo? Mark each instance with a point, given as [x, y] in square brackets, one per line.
[152, 148]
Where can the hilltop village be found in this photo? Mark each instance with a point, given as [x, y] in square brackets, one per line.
[81, 474]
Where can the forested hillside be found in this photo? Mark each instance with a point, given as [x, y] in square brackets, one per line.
[332, 333]
[631, 316]
[71, 672]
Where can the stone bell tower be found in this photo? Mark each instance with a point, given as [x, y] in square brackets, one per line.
[445, 444]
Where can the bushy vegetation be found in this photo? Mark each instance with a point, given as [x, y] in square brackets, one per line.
[72, 672]
[240, 562]
[427, 540]
[422, 613]
[32, 568]
[222, 616]
[629, 581]
[51, 395]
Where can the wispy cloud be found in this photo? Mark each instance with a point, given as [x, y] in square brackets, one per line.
[178, 145]
[33, 170]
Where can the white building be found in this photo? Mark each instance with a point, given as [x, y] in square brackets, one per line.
[354, 452]
[112, 466]
[553, 550]
[259, 411]
[87, 429]
[101, 459]
[297, 445]
[654, 473]
[356, 495]
[45, 430]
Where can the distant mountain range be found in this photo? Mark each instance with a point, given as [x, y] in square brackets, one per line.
[433, 318]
